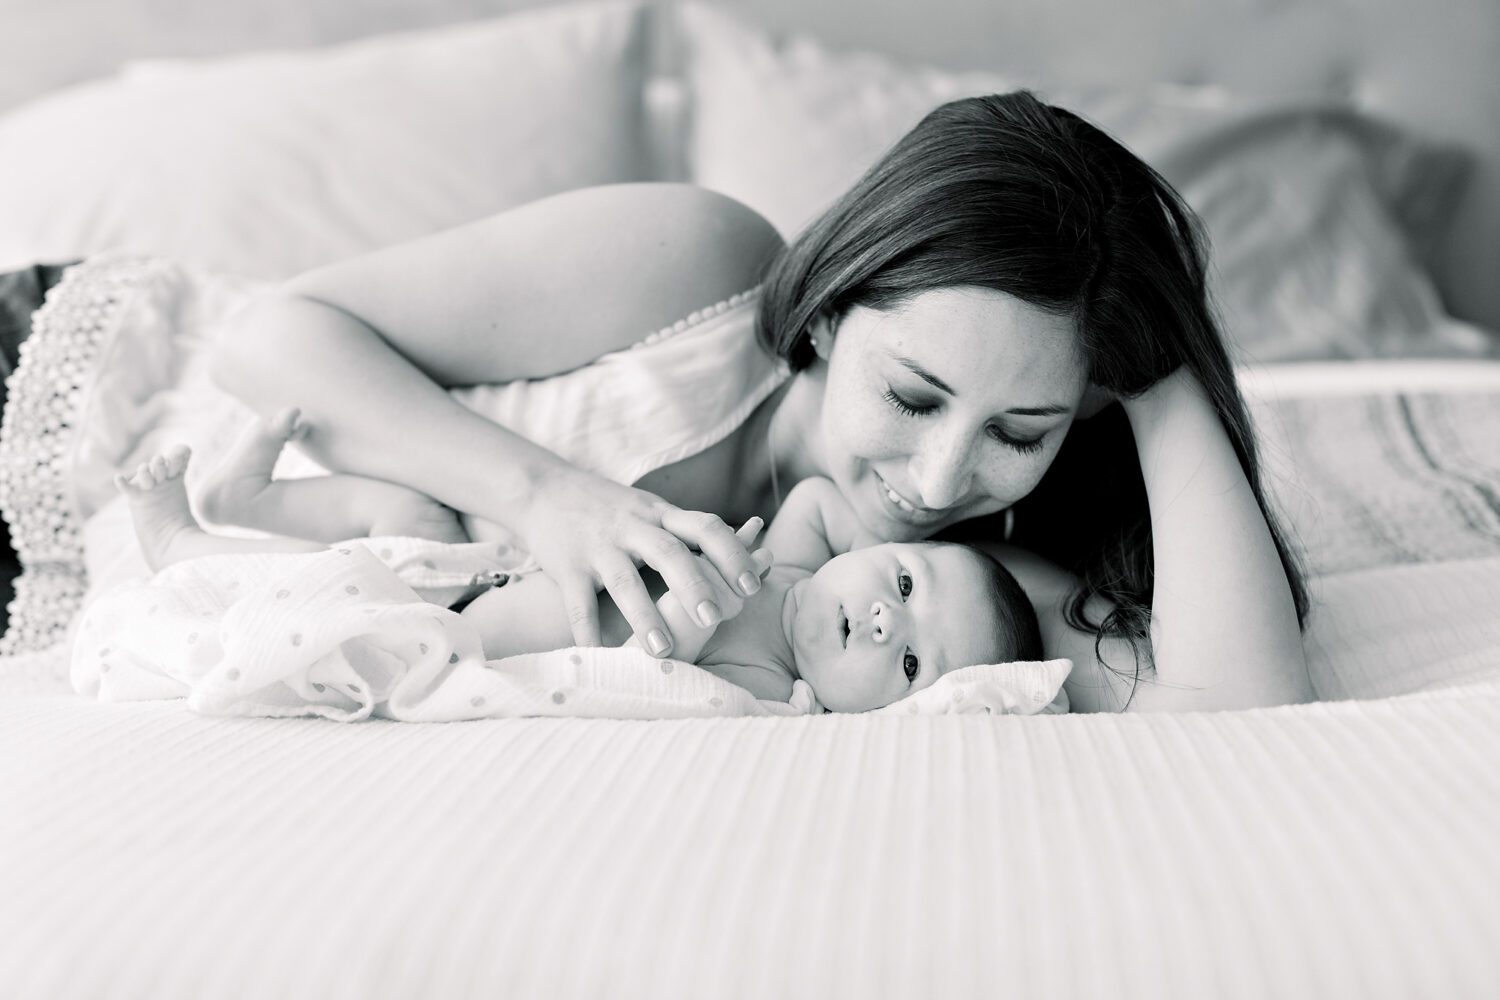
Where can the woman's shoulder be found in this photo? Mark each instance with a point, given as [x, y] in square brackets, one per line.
[553, 284]
[723, 245]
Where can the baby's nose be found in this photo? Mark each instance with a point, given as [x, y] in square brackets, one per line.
[880, 623]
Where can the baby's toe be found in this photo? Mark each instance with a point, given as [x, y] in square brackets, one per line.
[177, 460]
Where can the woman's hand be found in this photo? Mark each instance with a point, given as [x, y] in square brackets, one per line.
[689, 637]
[589, 533]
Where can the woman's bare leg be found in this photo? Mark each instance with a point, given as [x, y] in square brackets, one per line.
[165, 526]
[240, 491]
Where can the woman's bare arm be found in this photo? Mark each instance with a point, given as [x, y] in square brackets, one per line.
[1224, 629]
[366, 348]
[551, 285]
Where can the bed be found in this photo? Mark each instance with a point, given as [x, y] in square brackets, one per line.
[1339, 849]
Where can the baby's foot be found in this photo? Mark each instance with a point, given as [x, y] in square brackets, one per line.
[159, 505]
[228, 493]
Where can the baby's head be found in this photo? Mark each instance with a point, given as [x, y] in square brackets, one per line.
[877, 624]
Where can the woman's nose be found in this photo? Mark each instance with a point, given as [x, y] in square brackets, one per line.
[944, 469]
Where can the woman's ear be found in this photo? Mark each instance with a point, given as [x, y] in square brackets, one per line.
[821, 334]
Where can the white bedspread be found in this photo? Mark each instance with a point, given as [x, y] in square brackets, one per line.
[1338, 850]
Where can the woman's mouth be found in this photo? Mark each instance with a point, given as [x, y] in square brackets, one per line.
[902, 509]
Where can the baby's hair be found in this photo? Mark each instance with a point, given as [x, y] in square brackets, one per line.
[1018, 636]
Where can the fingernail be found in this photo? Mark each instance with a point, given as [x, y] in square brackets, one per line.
[708, 614]
[749, 583]
[657, 640]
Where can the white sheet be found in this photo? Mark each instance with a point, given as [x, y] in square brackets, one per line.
[1332, 850]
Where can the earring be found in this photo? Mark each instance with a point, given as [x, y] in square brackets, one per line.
[822, 339]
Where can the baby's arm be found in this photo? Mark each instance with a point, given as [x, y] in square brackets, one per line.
[689, 634]
[815, 524]
[528, 615]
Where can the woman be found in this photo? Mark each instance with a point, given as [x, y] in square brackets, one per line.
[1003, 273]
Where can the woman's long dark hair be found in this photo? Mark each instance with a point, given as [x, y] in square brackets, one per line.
[1008, 193]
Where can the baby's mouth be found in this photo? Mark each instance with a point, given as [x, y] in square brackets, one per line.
[843, 628]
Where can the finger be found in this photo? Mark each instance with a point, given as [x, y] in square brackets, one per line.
[582, 603]
[727, 550]
[623, 582]
[693, 581]
[750, 530]
[763, 560]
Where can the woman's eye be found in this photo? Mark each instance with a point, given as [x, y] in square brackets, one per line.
[903, 584]
[906, 406]
[1023, 445]
[911, 665]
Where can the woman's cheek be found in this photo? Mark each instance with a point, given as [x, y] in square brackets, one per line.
[1013, 477]
[865, 431]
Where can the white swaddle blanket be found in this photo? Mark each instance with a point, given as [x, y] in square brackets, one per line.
[363, 629]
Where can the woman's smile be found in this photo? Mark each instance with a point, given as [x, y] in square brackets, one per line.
[903, 509]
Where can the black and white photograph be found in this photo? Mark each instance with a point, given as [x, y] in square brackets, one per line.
[750, 500]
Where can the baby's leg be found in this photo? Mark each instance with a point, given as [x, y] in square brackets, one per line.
[327, 508]
[165, 526]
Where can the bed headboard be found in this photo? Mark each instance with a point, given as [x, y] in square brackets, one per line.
[1430, 66]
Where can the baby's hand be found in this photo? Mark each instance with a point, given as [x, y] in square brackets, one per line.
[691, 630]
[729, 598]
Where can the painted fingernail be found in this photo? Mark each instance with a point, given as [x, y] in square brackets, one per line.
[749, 583]
[708, 614]
[657, 640]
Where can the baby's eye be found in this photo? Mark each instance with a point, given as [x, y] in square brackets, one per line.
[911, 665]
[903, 584]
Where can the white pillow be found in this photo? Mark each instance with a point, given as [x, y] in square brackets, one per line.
[1305, 204]
[265, 165]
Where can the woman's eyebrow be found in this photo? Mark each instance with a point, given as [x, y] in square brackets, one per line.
[1038, 411]
[937, 383]
[923, 373]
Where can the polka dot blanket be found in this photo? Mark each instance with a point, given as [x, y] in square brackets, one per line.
[363, 629]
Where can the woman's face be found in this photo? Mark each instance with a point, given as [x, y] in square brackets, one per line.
[948, 407]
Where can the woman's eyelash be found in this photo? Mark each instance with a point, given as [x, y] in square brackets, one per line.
[913, 410]
[908, 408]
[1023, 446]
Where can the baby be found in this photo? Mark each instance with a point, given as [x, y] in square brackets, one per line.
[863, 626]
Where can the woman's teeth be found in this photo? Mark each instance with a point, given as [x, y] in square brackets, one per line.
[898, 501]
